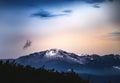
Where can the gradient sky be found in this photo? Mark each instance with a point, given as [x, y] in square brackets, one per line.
[79, 26]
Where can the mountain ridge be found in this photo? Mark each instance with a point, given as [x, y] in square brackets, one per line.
[64, 61]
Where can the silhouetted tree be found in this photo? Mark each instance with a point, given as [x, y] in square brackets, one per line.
[10, 72]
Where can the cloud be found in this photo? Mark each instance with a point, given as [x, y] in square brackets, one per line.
[67, 11]
[96, 6]
[115, 33]
[116, 67]
[46, 14]
[27, 44]
[43, 2]
[112, 36]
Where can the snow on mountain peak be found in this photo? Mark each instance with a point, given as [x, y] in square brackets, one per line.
[52, 52]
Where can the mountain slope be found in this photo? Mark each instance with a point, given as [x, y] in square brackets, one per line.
[64, 61]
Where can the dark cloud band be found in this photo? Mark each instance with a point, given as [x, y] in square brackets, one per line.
[44, 2]
[46, 14]
[115, 33]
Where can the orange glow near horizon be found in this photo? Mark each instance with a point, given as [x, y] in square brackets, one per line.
[79, 42]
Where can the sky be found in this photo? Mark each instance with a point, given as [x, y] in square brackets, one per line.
[78, 26]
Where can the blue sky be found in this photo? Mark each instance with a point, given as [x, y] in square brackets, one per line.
[79, 26]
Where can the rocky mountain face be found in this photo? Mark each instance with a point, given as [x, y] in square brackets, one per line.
[64, 61]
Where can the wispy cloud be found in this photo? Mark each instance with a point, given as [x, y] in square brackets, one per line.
[27, 44]
[112, 36]
[115, 33]
[96, 6]
[67, 11]
[47, 14]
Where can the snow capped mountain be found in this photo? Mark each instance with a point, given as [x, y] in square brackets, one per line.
[53, 52]
[64, 61]
[45, 57]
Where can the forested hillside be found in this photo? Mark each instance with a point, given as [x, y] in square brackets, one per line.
[10, 72]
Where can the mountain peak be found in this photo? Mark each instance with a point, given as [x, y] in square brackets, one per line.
[53, 52]
[62, 61]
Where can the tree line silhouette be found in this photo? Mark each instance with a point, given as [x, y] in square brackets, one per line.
[10, 72]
